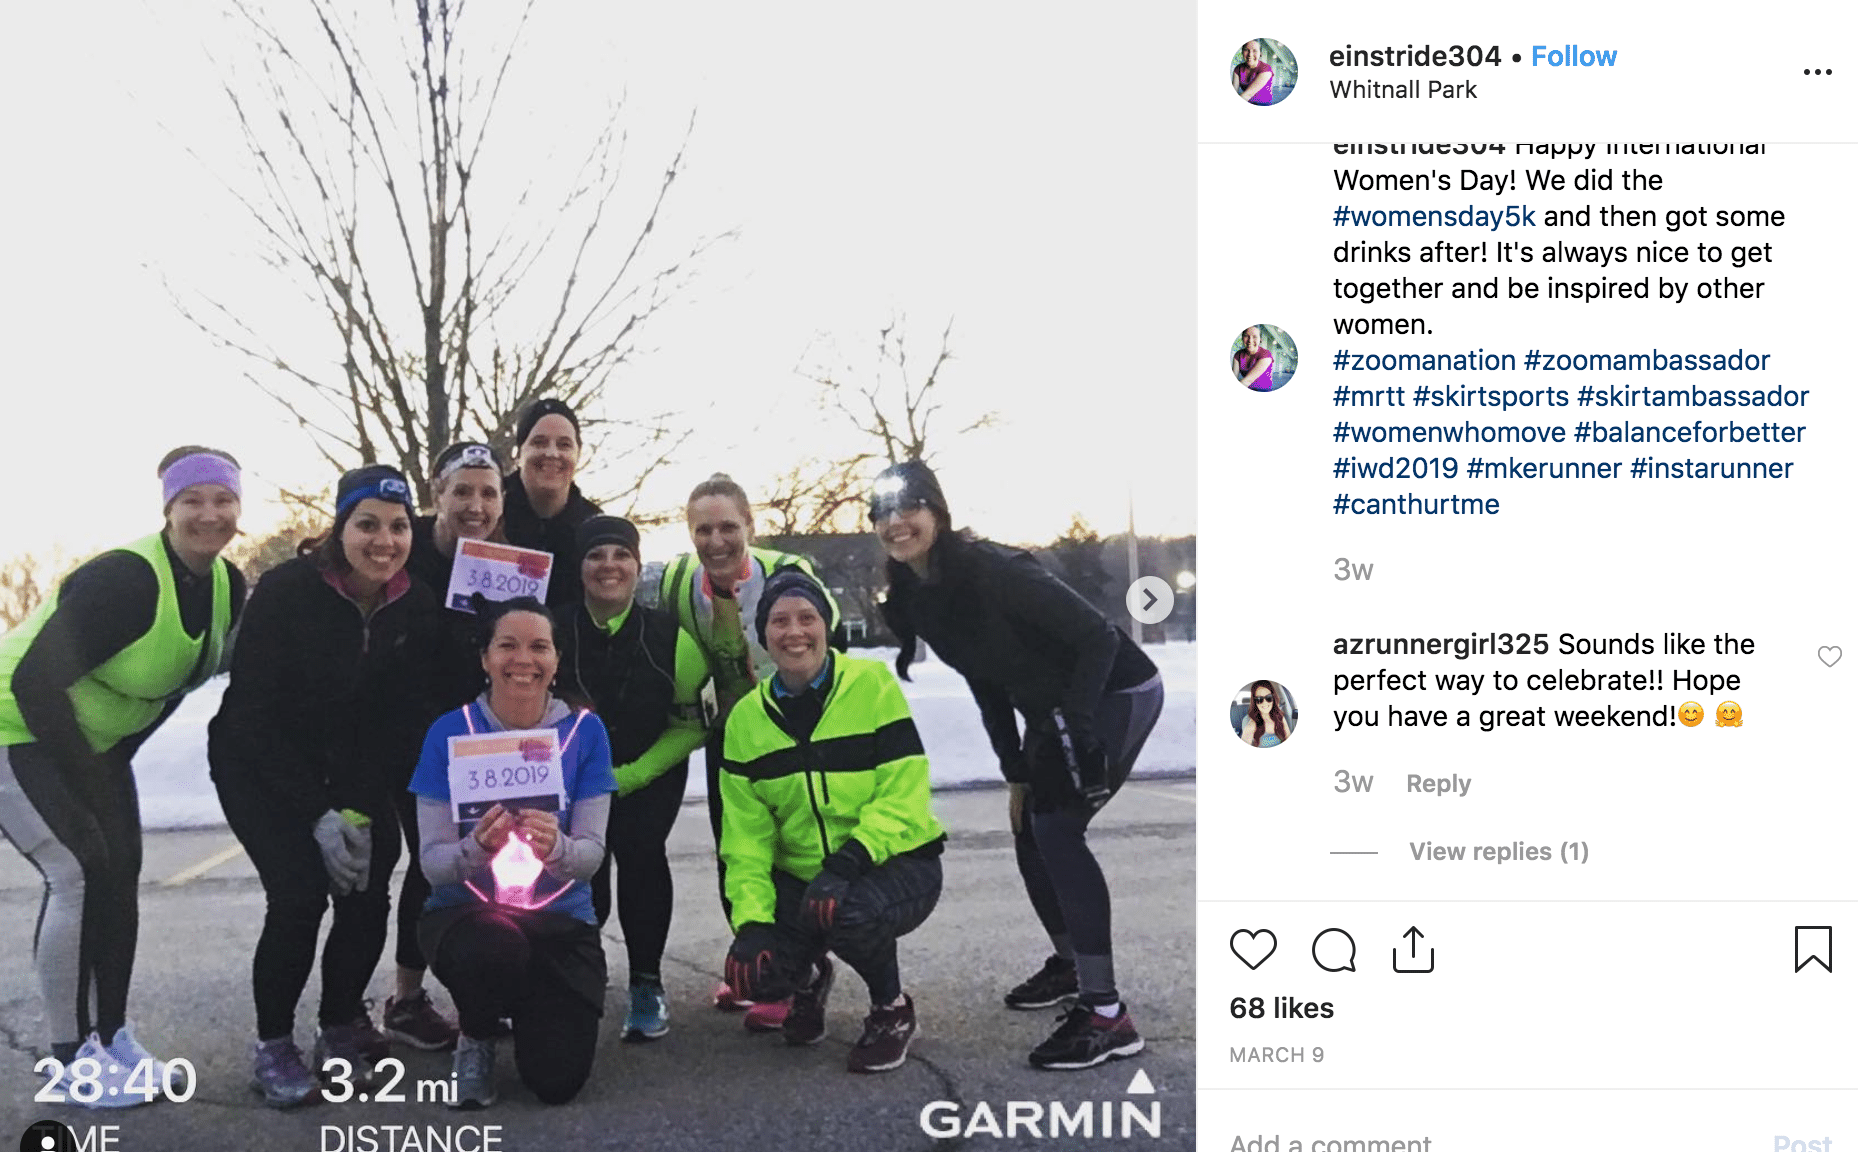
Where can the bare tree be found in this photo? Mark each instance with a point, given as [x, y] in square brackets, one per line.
[306, 518]
[20, 590]
[892, 411]
[443, 316]
[892, 407]
[814, 496]
[25, 581]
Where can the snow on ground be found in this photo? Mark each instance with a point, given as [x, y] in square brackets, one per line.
[176, 793]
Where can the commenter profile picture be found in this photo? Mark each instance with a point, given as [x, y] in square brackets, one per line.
[1263, 72]
[1263, 714]
[1264, 357]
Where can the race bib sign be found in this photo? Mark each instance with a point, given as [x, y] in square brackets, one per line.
[496, 572]
[514, 769]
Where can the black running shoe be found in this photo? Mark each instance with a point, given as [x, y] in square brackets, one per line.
[806, 1018]
[1086, 1039]
[1049, 986]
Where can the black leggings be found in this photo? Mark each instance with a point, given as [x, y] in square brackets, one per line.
[414, 890]
[637, 827]
[536, 969]
[889, 901]
[296, 886]
[1062, 876]
[713, 796]
[81, 827]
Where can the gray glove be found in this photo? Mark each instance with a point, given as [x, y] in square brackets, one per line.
[345, 852]
[361, 851]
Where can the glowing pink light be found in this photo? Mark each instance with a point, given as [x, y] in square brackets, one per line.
[516, 869]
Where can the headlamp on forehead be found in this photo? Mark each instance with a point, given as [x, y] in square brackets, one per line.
[891, 494]
[466, 456]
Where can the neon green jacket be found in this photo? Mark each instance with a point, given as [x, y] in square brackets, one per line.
[788, 803]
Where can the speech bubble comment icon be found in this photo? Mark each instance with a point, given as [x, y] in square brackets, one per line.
[1334, 950]
[1254, 948]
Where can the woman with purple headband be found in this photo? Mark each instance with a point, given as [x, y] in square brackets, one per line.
[84, 681]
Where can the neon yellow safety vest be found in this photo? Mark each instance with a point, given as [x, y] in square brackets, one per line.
[127, 692]
[681, 594]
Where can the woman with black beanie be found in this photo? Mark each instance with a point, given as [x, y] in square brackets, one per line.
[542, 505]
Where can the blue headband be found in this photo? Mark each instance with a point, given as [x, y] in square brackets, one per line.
[390, 488]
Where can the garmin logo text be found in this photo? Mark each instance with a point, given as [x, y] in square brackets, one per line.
[1050, 1119]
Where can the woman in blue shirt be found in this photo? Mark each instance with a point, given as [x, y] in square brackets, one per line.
[510, 924]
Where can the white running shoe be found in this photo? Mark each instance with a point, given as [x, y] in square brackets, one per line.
[128, 1052]
[115, 1082]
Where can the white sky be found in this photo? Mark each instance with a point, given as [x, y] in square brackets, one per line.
[1025, 168]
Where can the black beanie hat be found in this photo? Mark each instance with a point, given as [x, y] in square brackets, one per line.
[547, 406]
[597, 530]
[905, 485]
[792, 582]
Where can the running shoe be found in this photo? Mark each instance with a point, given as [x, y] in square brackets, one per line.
[728, 1001]
[1086, 1039]
[415, 1022]
[278, 1073]
[359, 1043]
[114, 1084]
[1050, 986]
[474, 1072]
[886, 1040]
[126, 1051]
[806, 1018]
[769, 1017]
[650, 1014]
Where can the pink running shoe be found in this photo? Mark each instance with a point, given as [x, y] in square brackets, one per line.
[728, 1001]
[771, 1017]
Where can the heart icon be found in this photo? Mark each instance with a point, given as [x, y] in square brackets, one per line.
[1829, 655]
[1254, 948]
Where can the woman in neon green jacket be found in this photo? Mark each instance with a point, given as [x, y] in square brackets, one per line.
[828, 840]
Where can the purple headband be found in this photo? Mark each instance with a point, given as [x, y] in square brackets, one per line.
[200, 468]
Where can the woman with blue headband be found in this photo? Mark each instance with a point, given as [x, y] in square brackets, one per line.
[330, 696]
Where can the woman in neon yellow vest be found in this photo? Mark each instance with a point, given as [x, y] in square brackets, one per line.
[713, 592]
[84, 680]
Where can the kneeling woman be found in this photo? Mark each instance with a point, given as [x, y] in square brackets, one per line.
[828, 842]
[510, 925]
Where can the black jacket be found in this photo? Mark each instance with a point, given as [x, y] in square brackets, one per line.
[525, 529]
[327, 709]
[629, 676]
[1019, 635]
[461, 671]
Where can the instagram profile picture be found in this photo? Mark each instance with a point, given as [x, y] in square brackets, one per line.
[1263, 72]
[1264, 357]
[1263, 714]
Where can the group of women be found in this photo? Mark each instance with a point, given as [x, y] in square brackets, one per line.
[353, 680]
